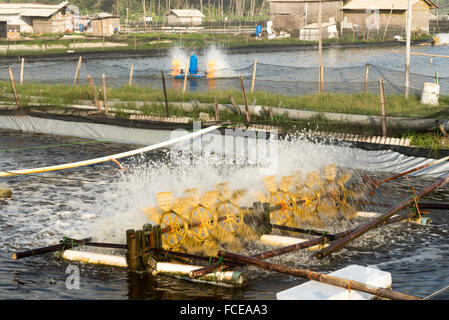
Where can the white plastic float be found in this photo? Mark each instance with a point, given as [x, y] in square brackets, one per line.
[225, 278]
[283, 241]
[313, 290]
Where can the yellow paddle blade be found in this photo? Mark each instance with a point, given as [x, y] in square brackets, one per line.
[223, 189]
[286, 183]
[180, 206]
[330, 172]
[344, 178]
[165, 200]
[270, 184]
[313, 179]
[238, 194]
[261, 197]
[297, 178]
[152, 213]
[349, 212]
[190, 244]
[247, 233]
[193, 197]
[209, 199]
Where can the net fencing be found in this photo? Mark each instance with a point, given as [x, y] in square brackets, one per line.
[280, 79]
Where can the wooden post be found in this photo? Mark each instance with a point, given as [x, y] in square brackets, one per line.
[431, 60]
[186, 72]
[217, 114]
[131, 75]
[319, 277]
[94, 92]
[254, 75]
[321, 75]
[13, 85]
[126, 23]
[320, 37]
[237, 109]
[382, 101]
[133, 254]
[388, 22]
[21, 70]
[248, 116]
[366, 78]
[440, 126]
[77, 72]
[407, 55]
[165, 93]
[105, 95]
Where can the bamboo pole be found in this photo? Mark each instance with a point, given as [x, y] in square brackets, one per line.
[237, 109]
[185, 75]
[320, 277]
[388, 23]
[382, 101]
[248, 116]
[65, 244]
[105, 95]
[94, 92]
[131, 75]
[377, 183]
[422, 54]
[21, 70]
[77, 71]
[165, 93]
[217, 114]
[321, 79]
[441, 128]
[407, 55]
[337, 245]
[366, 78]
[254, 75]
[13, 85]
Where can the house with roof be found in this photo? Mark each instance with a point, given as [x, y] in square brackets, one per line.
[292, 15]
[36, 18]
[381, 14]
[185, 17]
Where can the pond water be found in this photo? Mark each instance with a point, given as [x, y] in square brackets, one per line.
[103, 201]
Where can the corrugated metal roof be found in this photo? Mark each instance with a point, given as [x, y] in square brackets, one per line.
[38, 12]
[187, 13]
[31, 9]
[383, 4]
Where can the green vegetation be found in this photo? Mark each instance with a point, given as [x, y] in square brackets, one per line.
[364, 104]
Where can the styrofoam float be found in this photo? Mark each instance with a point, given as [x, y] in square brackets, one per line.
[313, 290]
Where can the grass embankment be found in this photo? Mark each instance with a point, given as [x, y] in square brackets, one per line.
[126, 97]
[161, 40]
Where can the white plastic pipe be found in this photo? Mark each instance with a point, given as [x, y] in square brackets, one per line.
[282, 241]
[109, 158]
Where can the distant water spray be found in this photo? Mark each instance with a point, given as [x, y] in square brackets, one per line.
[214, 62]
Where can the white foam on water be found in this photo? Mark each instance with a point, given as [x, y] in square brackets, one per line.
[105, 210]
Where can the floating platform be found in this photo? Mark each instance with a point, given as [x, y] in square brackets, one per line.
[190, 76]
